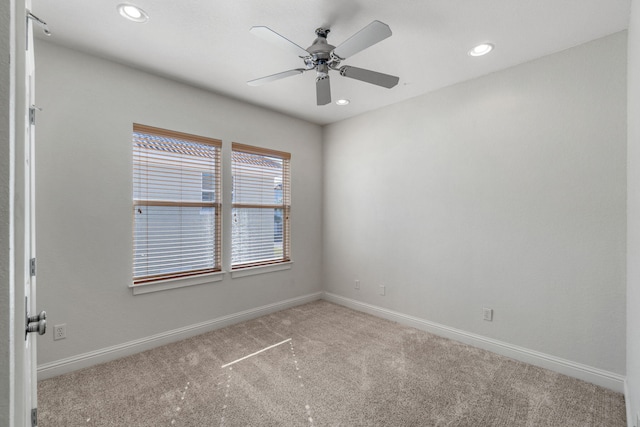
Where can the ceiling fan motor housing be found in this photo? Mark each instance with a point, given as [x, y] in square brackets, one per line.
[320, 50]
[321, 58]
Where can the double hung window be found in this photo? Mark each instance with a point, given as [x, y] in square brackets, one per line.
[261, 208]
[176, 204]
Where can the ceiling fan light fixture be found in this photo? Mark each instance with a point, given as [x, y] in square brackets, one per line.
[481, 49]
[132, 13]
[343, 102]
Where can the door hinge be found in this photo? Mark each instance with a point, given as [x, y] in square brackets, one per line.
[32, 267]
[38, 21]
[32, 114]
[34, 417]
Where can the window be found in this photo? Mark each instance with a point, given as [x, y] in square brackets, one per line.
[176, 204]
[261, 206]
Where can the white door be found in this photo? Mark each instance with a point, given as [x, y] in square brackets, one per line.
[27, 316]
[31, 374]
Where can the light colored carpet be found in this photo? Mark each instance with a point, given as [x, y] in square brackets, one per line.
[333, 367]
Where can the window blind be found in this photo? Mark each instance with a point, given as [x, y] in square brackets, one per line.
[261, 206]
[176, 204]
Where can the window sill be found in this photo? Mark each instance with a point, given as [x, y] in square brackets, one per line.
[180, 282]
[251, 271]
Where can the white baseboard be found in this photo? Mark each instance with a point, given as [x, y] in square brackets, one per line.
[610, 380]
[597, 376]
[85, 360]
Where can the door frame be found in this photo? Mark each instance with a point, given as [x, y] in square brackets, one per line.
[14, 255]
[6, 213]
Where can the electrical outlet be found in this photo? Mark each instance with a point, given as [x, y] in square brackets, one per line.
[488, 314]
[60, 332]
[357, 285]
[382, 290]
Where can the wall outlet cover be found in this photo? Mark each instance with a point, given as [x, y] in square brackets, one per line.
[60, 332]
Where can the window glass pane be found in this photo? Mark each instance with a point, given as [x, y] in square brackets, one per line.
[208, 188]
[257, 235]
[171, 169]
[171, 240]
[255, 179]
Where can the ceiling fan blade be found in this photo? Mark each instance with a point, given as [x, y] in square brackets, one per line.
[271, 36]
[368, 36]
[274, 77]
[373, 77]
[323, 90]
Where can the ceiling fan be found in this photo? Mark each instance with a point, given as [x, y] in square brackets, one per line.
[322, 57]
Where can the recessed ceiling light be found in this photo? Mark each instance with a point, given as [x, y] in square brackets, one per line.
[342, 101]
[133, 13]
[481, 49]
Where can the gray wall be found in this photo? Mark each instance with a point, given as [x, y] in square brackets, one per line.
[507, 191]
[84, 199]
[6, 302]
[633, 217]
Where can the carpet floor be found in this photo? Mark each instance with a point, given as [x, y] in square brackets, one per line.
[322, 364]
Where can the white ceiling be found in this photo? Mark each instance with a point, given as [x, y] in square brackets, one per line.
[207, 43]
